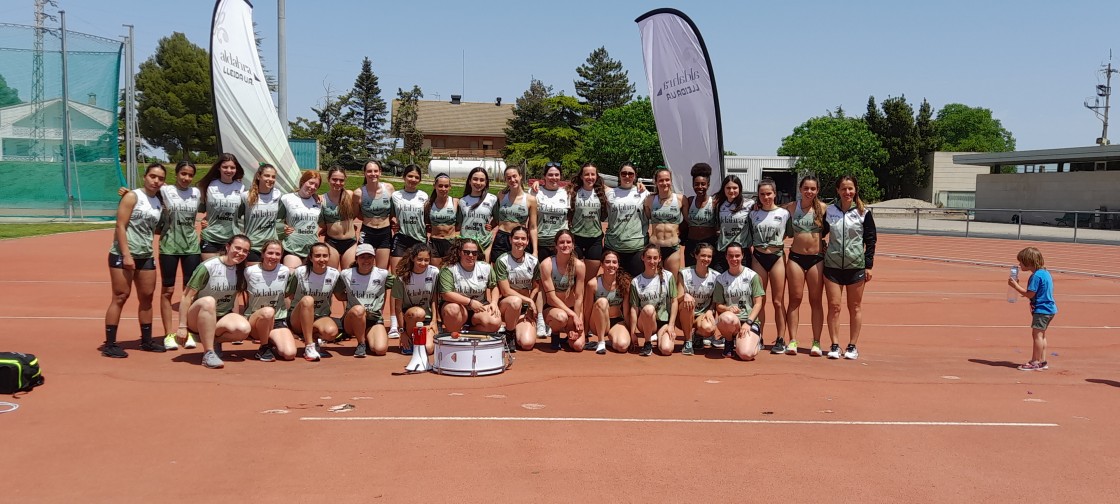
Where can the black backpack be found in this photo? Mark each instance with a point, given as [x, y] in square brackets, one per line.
[19, 372]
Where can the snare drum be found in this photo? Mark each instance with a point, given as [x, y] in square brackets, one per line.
[471, 354]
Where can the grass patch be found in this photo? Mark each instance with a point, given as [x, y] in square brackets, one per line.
[23, 230]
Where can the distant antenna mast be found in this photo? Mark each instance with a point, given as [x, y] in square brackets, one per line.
[1103, 91]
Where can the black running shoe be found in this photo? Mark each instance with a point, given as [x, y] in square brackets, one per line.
[556, 342]
[113, 350]
[779, 346]
[729, 347]
[152, 346]
[647, 349]
[264, 354]
[511, 341]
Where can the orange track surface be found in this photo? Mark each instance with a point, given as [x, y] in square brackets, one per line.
[938, 345]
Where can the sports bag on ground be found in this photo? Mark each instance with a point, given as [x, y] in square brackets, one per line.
[19, 372]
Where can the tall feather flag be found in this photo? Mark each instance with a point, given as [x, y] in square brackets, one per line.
[682, 90]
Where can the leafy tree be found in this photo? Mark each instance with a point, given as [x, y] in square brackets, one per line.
[368, 111]
[603, 84]
[903, 170]
[404, 123]
[527, 110]
[834, 145]
[729, 153]
[624, 134]
[8, 96]
[928, 138]
[972, 129]
[174, 99]
[556, 135]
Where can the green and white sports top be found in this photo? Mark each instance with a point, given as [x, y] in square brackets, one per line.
[552, 214]
[258, 220]
[378, 207]
[519, 274]
[805, 222]
[409, 209]
[330, 212]
[472, 221]
[699, 287]
[626, 226]
[222, 202]
[768, 228]
[587, 221]
[561, 282]
[661, 213]
[734, 226]
[321, 287]
[704, 216]
[267, 288]
[367, 290]
[215, 279]
[514, 211]
[612, 296]
[445, 216]
[302, 214]
[658, 291]
[418, 290]
[178, 235]
[741, 291]
[141, 228]
[472, 284]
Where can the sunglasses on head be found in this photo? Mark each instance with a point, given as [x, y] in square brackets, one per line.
[550, 164]
[470, 252]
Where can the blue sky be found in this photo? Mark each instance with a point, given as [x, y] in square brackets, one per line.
[776, 64]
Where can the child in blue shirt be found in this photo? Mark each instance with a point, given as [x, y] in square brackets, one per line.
[1040, 290]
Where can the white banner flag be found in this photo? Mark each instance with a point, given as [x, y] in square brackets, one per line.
[683, 93]
[248, 126]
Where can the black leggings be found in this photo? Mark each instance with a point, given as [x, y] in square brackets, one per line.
[168, 263]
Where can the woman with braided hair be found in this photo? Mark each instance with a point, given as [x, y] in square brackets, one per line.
[561, 280]
[654, 298]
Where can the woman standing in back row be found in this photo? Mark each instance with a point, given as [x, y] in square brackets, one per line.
[626, 227]
[441, 215]
[476, 210]
[336, 220]
[221, 189]
[808, 228]
[848, 262]
[178, 243]
[375, 201]
[768, 230]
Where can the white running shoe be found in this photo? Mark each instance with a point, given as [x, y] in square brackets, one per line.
[394, 333]
[834, 352]
[816, 350]
[190, 341]
[601, 348]
[170, 343]
[851, 353]
[542, 329]
[310, 353]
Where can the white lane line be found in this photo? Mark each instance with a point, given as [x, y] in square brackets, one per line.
[806, 324]
[673, 420]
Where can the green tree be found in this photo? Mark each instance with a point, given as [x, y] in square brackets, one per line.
[834, 145]
[175, 102]
[729, 153]
[972, 129]
[528, 110]
[903, 172]
[928, 139]
[404, 121]
[603, 84]
[556, 136]
[624, 134]
[8, 96]
[368, 111]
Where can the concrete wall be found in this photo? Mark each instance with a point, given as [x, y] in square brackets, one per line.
[1066, 191]
[948, 176]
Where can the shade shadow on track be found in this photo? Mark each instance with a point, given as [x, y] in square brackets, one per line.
[1006, 364]
[1111, 383]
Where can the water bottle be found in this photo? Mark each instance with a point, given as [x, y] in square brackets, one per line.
[1012, 294]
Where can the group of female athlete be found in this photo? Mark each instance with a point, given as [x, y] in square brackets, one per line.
[591, 266]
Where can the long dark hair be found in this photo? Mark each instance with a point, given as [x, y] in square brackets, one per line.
[254, 191]
[599, 187]
[215, 172]
[404, 267]
[347, 208]
[505, 190]
[721, 198]
[452, 257]
[621, 278]
[470, 188]
[152, 166]
[570, 270]
[311, 252]
[818, 206]
[764, 182]
[432, 197]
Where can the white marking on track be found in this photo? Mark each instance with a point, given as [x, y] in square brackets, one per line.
[746, 421]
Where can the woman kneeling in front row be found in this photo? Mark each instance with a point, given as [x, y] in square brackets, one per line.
[739, 298]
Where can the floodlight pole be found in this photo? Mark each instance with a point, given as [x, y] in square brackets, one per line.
[282, 66]
[66, 123]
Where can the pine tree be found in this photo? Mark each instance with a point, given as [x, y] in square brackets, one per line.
[368, 111]
[876, 124]
[603, 83]
[928, 139]
[404, 122]
[904, 166]
[528, 110]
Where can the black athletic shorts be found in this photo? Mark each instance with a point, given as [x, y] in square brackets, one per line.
[380, 238]
[440, 246]
[844, 276]
[142, 263]
[340, 245]
[589, 248]
[209, 247]
[401, 244]
[168, 263]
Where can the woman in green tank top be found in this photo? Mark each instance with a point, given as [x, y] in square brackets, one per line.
[207, 307]
[178, 241]
[664, 211]
[701, 224]
[605, 308]
[515, 208]
[805, 267]
[440, 213]
[259, 207]
[588, 216]
[336, 220]
[562, 285]
[221, 197]
[131, 262]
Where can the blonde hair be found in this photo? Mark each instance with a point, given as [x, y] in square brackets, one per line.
[1031, 258]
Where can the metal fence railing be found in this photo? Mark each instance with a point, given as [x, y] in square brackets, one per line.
[1046, 225]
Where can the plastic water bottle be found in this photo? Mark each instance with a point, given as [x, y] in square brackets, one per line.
[1012, 294]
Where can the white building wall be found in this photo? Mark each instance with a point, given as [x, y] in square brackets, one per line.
[947, 176]
[1082, 191]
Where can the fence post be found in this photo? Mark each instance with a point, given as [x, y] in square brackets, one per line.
[917, 221]
[967, 221]
[1076, 217]
[1019, 236]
